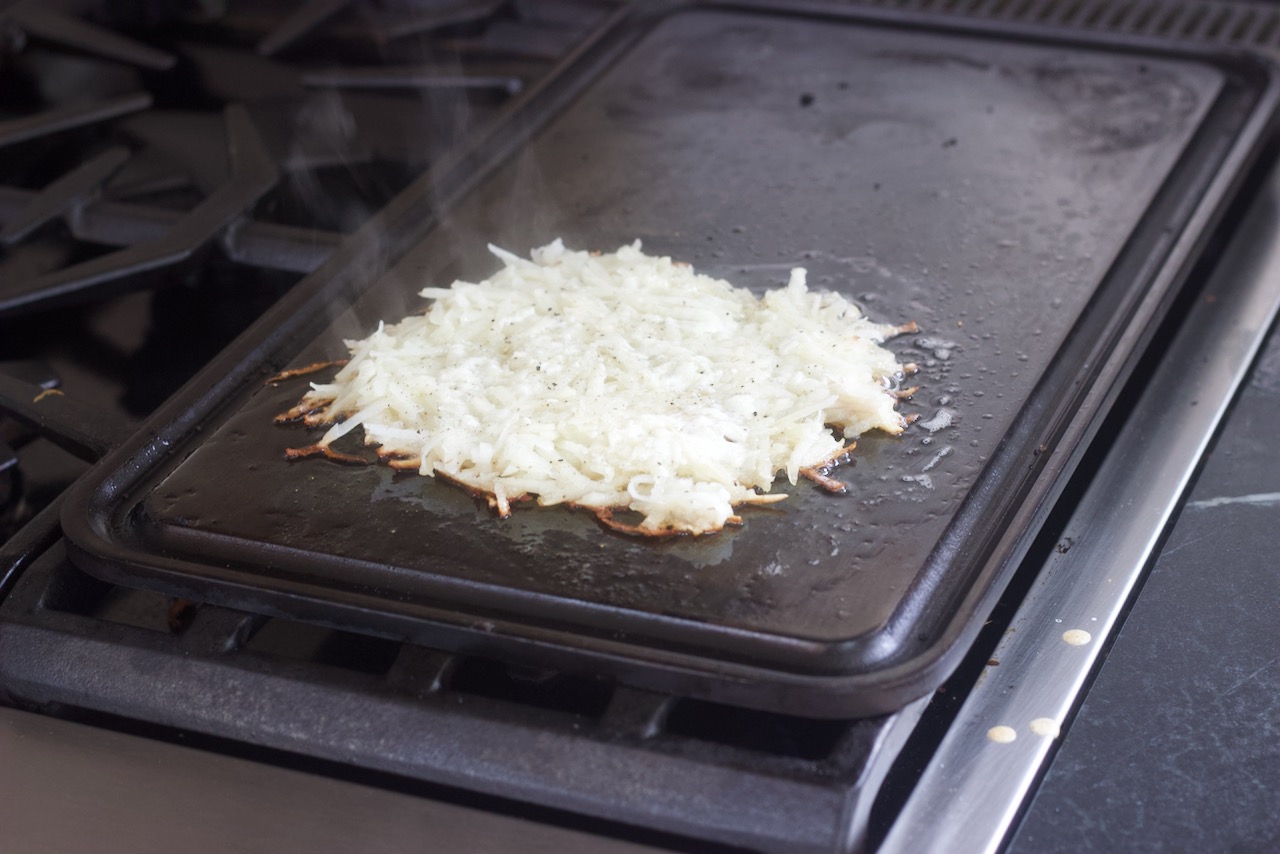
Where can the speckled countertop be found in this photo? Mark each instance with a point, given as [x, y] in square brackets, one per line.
[1177, 744]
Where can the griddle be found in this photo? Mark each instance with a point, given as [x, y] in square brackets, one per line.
[1034, 203]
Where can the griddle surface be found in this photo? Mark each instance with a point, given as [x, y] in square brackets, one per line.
[978, 186]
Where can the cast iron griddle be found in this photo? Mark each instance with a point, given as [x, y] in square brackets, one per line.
[1019, 199]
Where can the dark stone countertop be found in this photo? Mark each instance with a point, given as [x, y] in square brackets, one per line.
[1177, 744]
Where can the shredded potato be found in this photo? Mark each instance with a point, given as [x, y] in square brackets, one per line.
[616, 381]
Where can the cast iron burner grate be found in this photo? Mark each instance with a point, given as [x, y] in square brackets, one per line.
[217, 146]
[169, 171]
[70, 643]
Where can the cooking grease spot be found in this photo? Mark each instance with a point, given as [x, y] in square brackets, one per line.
[1046, 727]
[940, 420]
[1076, 637]
[939, 347]
[1002, 734]
[937, 458]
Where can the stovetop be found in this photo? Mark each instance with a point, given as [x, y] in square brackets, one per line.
[113, 166]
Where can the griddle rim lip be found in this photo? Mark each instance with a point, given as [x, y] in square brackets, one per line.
[96, 504]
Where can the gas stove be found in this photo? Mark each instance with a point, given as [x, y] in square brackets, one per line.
[181, 180]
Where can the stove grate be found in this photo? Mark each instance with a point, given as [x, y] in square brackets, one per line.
[23, 21]
[562, 740]
[131, 158]
[253, 173]
[74, 115]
